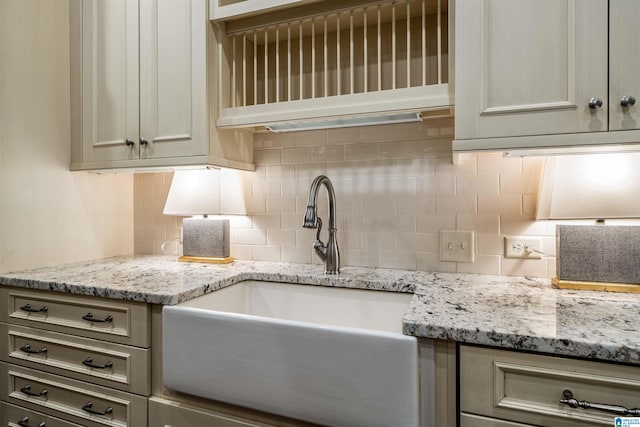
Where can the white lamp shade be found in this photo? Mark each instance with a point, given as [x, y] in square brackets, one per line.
[194, 192]
[590, 186]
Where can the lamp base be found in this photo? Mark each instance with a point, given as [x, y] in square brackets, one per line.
[595, 286]
[206, 259]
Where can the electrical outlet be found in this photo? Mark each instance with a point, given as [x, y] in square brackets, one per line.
[457, 245]
[522, 247]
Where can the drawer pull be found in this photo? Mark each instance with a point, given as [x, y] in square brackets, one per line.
[569, 400]
[89, 362]
[27, 349]
[28, 309]
[27, 390]
[89, 318]
[25, 423]
[88, 408]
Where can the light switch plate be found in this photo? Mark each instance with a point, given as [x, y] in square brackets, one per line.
[457, 245]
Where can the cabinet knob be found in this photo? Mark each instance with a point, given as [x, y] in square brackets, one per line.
[129, 143]
[143, 141]
[595, 103]
[627, 101]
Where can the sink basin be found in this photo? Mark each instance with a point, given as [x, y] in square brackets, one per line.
[330, 356]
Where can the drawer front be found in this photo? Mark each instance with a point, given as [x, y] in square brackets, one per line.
[71, 400]
[15, 416]
[100, 318]
[113, 365]
[527, 388]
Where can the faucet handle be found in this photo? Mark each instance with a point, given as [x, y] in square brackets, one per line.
[319, 246]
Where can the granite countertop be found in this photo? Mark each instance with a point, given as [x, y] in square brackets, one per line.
[509, 312]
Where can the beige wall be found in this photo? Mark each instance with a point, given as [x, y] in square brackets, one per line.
[48, 215]
[397, 187]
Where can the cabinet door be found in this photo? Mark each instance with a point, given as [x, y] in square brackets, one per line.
[109, 80]
[173, 91]
[529, 67]
[624, 64]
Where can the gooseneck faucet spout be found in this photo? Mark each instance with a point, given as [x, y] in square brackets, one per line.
[328, 253]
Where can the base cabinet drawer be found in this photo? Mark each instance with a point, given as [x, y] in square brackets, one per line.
[99, 318]
[72, 400]
[15, 416]
[113, 365]
[527, 388]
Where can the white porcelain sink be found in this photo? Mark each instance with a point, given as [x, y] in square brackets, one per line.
[325, 355]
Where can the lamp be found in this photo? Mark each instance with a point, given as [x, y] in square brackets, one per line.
[205, 192]
[593, 186]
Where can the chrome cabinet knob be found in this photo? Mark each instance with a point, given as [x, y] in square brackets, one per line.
[595, 103]
[129, 143]
[143, 141]
[627, 101]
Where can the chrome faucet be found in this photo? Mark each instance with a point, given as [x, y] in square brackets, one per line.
[328, 253]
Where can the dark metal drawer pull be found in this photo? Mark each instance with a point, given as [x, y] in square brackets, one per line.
[89, 362]
[88, 405]
[25, 423]
[27, 349]
[28, 309]
[27, 390]
[616, 409]
[89, 318]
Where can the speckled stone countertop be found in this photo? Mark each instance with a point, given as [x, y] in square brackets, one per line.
[508, 312]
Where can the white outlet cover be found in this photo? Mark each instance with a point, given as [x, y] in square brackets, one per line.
[457, 245]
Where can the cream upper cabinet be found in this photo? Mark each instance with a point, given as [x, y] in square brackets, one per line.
[140, 86]
[624, 58]
[545, 73]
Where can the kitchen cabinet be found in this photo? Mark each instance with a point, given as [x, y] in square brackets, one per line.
[141, 93]
[224, 9]
[546, 73]
[74, 360]
[329, 60]
[500, 388]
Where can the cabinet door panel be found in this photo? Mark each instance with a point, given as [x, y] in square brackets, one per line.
[530, 67]
[109, 79]
[624, 63]
[172, 78]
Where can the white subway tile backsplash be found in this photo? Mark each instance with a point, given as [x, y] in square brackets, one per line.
[252, 237]
[499, 204]
[327, 153]
[396, 187]
[296, 155]
[477, 184]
